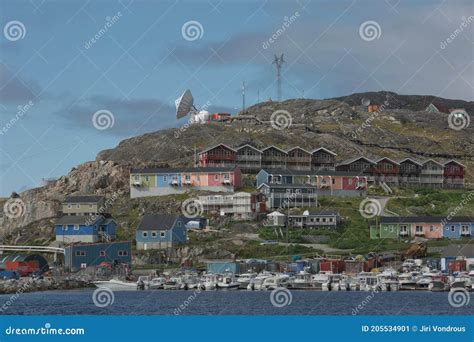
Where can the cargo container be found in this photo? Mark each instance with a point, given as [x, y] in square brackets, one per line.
[355, 266]
[24, 268]
[334, 266]
[457, 266]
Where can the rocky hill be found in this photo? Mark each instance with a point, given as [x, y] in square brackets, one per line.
[343, 125]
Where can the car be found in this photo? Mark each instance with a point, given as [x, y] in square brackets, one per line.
[6, 275]
[268, 243]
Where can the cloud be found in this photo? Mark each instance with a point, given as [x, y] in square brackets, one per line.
[15, 90]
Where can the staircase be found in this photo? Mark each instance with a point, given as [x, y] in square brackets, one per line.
[386, 188]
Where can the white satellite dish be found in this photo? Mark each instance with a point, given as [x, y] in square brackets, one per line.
[184, 104]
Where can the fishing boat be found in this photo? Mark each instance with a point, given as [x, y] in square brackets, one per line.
[461, 280]
[116, 285]
[368, 281]
[210, 282]
[256, 284]
[407, 281]
[173, 283]
[280, 280]
[321, 280]
[335, 282]
[438, 284]
[189, 281]
[157, 283]
[227, 281]
[301, 281]
[245, 279]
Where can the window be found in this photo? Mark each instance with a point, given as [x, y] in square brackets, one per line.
[162, 234]
[188, 178]
[102, 253]
[334, 181]
[64, 227]
[419, 229]
[90, 206]
[298, 191]
[76, 227]
[453, 228]
[69, 206]
[147, 178]
[122, 253]
[145, 234]
[226, 176]
[432, 228]
[80, 253]
[331, 219]
[350, 181]
[78, 206]
[165, 178]
[154, 234]
[216, 177]
[137, 178]
[318, 219]
[324, 220]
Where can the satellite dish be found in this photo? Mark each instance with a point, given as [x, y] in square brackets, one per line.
[184, 104]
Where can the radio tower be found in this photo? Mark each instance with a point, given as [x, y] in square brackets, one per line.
[278, 63]
[243, 96]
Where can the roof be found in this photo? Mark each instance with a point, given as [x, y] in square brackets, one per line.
[90, 244]
[275, 213]
[298, 148]
[386, 158]
[323, 212]
[410, 159]
[157, 222]
[78, 219]
[248, 145]
[83, 199]
[272, 146]
[213, 147]
[288, 186]
[325, 149]
[431, 160]
[184, 170]
[287, 172]
[421, 219]
[454, 161]
[350, 161]
[466, 250]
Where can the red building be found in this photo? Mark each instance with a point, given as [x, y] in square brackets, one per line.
[218, 156]
[386, 171]
[453, 176]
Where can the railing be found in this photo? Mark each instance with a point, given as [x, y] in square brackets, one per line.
[45, 249]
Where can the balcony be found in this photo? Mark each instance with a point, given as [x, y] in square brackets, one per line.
[174, 182]
[226, 182]
[403, 233]
[248, 158]
[419, 234]
[465, 233]
[137, 183]
[361, 185]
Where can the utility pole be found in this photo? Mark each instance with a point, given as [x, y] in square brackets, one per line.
[243, 96]
[278, 63]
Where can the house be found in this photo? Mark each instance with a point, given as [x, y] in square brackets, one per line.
[436, 108]
[453, 174]
[83, 205]
[217, 156]
[71, 229]
[158, 231]
[386, 171]
[275, 219]
[458, 227]
[77, 256]
[431, 174]
[249, 158]
[315, 219]
[326, 182]
[362, 166]
[273, 158]
[162, 182]
[410, 172]
[323, 159]
[289, 195]
[430, 227]
[240, 205]
[298, 159]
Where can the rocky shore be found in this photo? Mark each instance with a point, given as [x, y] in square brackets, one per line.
[24, 285]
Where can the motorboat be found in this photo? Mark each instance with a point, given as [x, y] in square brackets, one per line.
[461, 280]
[157, 283]
[335, 282]
[438, 284]
[301, 281]
[210, 282]
[245, 278]
[173, 283]
[321, 280]
[280, 280]
[116, 285]
[256, 284]
[189, 281]
[368, 281]
[407, 281]
[227, 281]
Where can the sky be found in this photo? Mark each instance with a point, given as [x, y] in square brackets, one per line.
[77, 77]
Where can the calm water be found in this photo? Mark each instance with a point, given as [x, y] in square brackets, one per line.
[79, 302]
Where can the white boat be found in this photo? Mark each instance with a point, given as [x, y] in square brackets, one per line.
[173, 283]
[210, 282]
[280, 280]
[245, 278]
[461, 281]
[157, 283]
[407, 281]
[368, 281]
[227, 281]
[256, 284]
[116, 285]
[335, 282]
[321, 280]
[301, 281]
[189, 281]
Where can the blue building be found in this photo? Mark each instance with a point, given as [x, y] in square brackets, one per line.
[71, 229]
[157, 231]
[79, 256]
[457, 227]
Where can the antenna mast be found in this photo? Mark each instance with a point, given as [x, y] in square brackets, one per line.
[243, 96]
[278, 63]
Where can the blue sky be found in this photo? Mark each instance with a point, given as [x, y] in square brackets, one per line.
[143, 62]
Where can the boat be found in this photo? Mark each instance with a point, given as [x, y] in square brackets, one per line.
[280, 280]
[335, 282]
[256, 284]
[321, 280]
[116, 285]
[461, 280]
[368, 281]
[301, 281]
[407, 281]
[156, 283]
[438, 284]
[245, 278]
[189, 281]
[210, 282]
[227, 281]
[173, 283]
